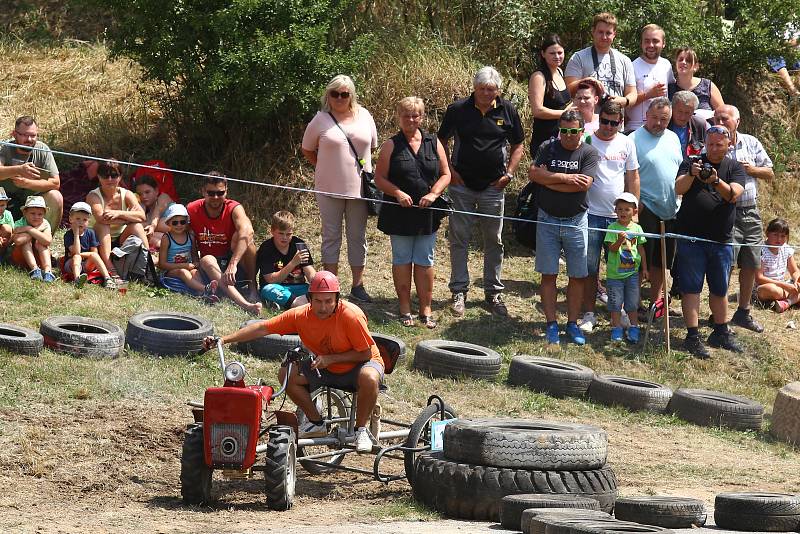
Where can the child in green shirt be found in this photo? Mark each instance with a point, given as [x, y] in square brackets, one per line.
[6, 223]
[625, 256]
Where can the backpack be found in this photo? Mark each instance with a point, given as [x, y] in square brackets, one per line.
[133, 262]
[527, 208]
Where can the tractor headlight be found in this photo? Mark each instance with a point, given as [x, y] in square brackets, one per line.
[234, 372]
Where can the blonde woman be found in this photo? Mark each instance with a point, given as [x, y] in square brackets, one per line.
[337, 172]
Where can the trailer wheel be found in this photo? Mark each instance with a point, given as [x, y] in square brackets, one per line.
[195, 474]
[279, 474]
[419, 434]
[339, 405]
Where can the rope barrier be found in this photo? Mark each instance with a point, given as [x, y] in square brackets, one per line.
[648, 235]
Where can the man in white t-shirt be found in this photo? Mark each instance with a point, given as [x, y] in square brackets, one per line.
[617, 172]
[609, 66]
[653, 74]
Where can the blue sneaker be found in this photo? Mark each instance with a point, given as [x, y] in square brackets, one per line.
[616, 333]
[49, 277]
[575, 333]
[551, 333]
[633, 334]
[36, 274]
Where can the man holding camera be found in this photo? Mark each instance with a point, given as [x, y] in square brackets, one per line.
[710, 184]
[747, 230]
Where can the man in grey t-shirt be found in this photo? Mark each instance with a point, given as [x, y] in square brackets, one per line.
[44, 183]
[610, 67]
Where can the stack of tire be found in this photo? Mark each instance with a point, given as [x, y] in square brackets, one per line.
[761, 512]
[484, 460]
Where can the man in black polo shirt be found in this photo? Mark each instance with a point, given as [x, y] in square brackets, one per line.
[708, 211]
[487, 149]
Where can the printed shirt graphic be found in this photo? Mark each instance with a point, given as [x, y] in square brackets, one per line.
[213, 235]
[626, 261]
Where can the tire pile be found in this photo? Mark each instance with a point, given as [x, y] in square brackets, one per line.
[485, 460]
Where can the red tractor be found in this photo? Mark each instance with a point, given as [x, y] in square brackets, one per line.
[231, 423]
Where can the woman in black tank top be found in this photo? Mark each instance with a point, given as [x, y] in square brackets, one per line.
[412, 171]
[547, 92]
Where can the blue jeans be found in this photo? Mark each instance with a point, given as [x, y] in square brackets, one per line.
[623, 292]
[563, 233]
[283, 294]
[596, 244]
[699, 260]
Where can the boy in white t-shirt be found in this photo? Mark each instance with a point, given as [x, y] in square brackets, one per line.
[777, 261]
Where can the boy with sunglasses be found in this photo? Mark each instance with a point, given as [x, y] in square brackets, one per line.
[178, 254]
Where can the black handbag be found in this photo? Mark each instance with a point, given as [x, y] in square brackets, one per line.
[369, 191]
[444, 205]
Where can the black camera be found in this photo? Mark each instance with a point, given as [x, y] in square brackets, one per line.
[706, 171]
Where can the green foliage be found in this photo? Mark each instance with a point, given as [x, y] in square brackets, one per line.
[237, 66]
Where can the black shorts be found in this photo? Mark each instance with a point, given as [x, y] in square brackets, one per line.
[348, 380]
[651, 224]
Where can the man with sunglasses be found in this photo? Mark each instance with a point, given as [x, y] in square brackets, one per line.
[710, 185]
[36, 171]
[565, 168]
[487, 150]
[617, 172]
[224, 237]
[747, 229]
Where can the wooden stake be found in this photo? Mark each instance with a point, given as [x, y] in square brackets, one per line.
[666, 289]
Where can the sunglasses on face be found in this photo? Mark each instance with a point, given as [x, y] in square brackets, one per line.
[339, 94]
[609, 121]
[570, 131]
[215, 193]
[178, 222]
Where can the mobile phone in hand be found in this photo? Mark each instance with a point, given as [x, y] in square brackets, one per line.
[300, 248]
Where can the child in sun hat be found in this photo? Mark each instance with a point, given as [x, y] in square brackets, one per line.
[31, 238]
[80, 249]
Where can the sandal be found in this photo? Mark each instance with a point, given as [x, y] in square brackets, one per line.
[406, 319]
[427, 321]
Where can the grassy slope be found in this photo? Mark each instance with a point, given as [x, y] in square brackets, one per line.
[651, 453]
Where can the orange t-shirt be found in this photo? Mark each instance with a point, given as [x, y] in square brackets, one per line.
[345, 330]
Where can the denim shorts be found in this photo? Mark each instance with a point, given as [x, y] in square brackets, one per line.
[282, 294]
[348, 380]
[778, 63]
[416, 249]
[568, 234]
[596, 244]
[699, 260]
[623, 292]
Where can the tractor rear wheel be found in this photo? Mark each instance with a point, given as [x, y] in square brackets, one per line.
[280, 468]
[195, 474]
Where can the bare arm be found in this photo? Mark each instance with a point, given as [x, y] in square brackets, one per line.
[557, 181]
[134, 213]
[629, 97]
[632, 182]
[351, 356]
[572, 83]
[37, 185]
[455, 177]
[536, 90]
[244, 229]
[310, 155]
[27, 171]
[761, 173]
[716, 97]
[43, 237]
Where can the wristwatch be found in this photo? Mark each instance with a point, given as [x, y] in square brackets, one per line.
[715, 182]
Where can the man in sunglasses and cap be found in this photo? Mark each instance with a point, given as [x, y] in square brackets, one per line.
[30, 169]
[617, 172]
[565, 168]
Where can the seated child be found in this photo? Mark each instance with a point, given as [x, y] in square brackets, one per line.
[625, 255]
[178, 254]
[6, 223]
[31, 239]
[285, 265]
[777, 280]
[80, 256]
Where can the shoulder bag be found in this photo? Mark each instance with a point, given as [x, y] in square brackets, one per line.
[369, 191]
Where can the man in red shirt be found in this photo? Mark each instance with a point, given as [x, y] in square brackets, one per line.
[224, 237]
[345, 354]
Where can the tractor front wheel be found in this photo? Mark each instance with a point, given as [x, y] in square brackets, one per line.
[280, 468]
[195, 474]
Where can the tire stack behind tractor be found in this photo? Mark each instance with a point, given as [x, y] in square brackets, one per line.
[484, 460]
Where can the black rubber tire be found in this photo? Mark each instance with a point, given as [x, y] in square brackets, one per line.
[632, 393]
[20, 340]
[713, 408]
[167, 333]
[82, 336]
[603, 526]
[527, 523]
[547, 375]
[466, 491]
[663, 511]
[541, 523]
[442, 358]
[526, 444]
[419, 434]
[280, 470]
[764, 512]
[340, 408]
[195, 474]
[512, 506]
[269, 347]
[377, 335]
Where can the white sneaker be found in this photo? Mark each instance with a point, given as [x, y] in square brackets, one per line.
[310, 430]
[588, 322]
[624, 322]
[363, 440]
[601, 295]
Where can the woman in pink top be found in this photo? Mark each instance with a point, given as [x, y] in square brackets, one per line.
[337, 173]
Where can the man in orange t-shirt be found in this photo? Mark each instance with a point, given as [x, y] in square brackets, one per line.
[346, 355]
